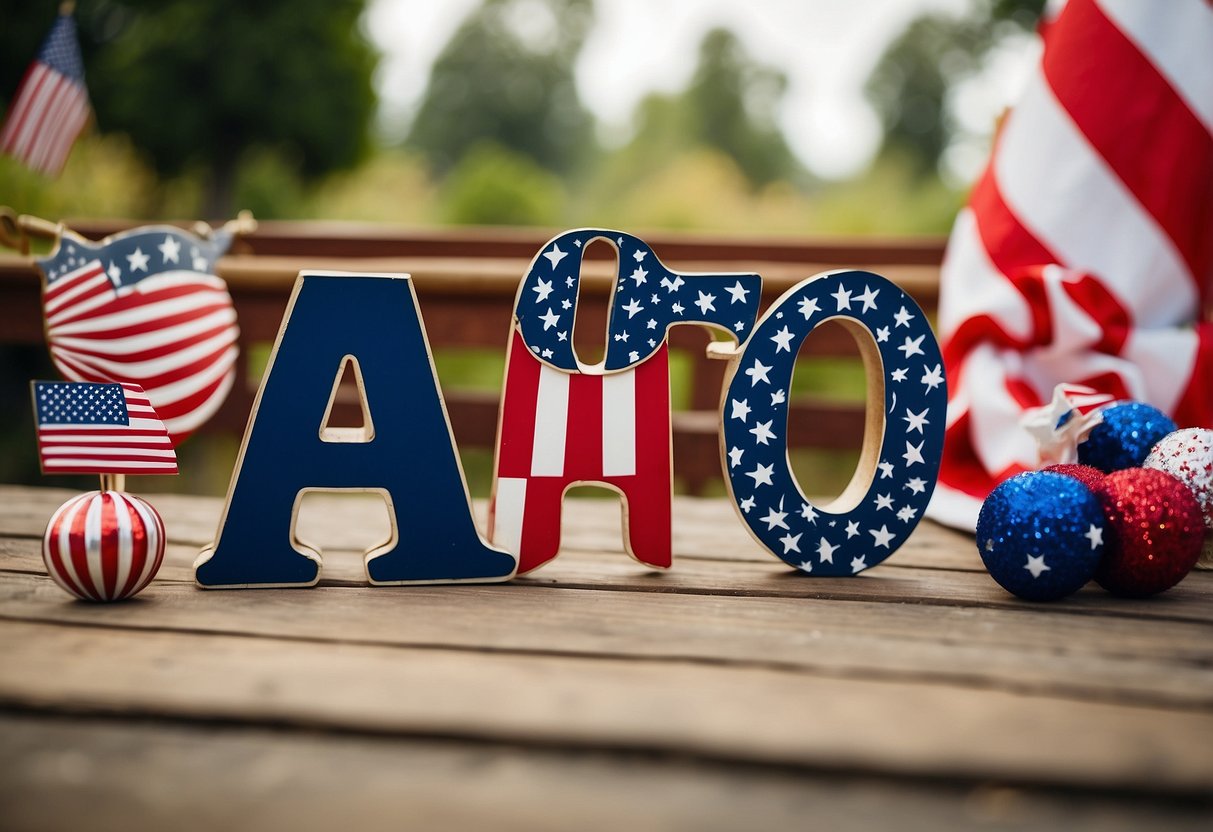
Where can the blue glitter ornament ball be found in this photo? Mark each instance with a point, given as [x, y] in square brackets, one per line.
[1124, 439]
[1040, 535]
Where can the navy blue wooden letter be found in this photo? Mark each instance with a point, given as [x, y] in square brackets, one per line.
[408, 455]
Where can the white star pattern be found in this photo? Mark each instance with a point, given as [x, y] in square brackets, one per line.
[706, 303]
[882, 335]
[900, 374]
[917, 485]
[884, 501]
[858, 564]
[825, 551]
[758, 373]
[852, 529]
[776, 518]
[1095, 535]
[778, 397]
[882, 536]
[735, 457]
[913, 453]
[809, 513]
[843, 296]
[549, 320]
[912, 346]
[1037, 566]
[738, 293]
[741, 410]
[808, 307]
[632, 308]
[886, 469]
[542, 289]
[747, 504]
[640, 276]
[555, 256]
[903, 317]
[791, 542]
[762, 431]
[916, 420]
[868, 298]
[783, 340]
[933, 378]
[137, 260]
[762, 474]
[169, 250]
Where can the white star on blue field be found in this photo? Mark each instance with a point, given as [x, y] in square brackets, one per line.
[755, 417]
[647, 300]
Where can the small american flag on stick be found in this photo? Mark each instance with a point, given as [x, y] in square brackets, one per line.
[87, 428]
[51, 106]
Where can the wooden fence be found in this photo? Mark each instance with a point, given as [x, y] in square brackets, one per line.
[466, 280]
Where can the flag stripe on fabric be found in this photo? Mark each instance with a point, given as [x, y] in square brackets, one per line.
[1086, 252]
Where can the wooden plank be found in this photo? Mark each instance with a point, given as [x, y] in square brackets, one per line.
[1082, 658]
[725, 713]
[713, 555]
[134, 777]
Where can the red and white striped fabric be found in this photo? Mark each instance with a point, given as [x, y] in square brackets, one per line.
[1085, 254]
[51, 106]
[173, 332]
[559, 429]
[104, 546]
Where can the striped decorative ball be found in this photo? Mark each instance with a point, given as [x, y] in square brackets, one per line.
[104, 546]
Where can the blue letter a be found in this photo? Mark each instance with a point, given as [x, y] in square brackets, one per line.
[409, 454]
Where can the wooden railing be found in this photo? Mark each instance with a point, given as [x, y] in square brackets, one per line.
[466, 280]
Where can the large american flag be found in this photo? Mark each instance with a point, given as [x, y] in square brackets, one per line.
[145, 307]
[51, 105]
[1085, 254]
[88, 428]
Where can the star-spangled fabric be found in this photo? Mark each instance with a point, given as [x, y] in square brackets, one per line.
[51, 106]
[755, 418]
[99, 429]
[647, 299]
[1085, 255]
[145, 307]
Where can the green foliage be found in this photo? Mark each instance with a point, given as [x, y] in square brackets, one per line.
[910, 85]
[507, 76]
[197, 85]
[495, 186]
[732, 102]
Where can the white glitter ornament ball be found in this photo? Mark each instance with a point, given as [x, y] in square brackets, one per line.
[1187, 455]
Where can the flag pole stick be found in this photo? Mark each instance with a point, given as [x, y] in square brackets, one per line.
[113, 482]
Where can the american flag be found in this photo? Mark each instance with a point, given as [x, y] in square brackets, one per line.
[558, 429]
[51, 105]
[145, 307]
[1085, 254]
[100, 429]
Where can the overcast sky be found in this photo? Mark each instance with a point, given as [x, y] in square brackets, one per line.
[826, 48]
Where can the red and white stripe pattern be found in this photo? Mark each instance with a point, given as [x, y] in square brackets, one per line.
[104, 546]
[51, 105]
[174, 333]
[1085, 255]
[559, 429]
[75, 443]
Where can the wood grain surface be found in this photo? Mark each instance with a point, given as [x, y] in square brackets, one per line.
[726, 693]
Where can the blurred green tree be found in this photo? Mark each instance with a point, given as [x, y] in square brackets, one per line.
[910, 85]
[730, 106]
[197, 86]
[507, 76]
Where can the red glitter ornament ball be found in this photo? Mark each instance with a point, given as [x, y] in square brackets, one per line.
[1155, 532]
[1088, 475]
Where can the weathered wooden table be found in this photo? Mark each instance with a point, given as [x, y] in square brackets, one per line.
[728, 693]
